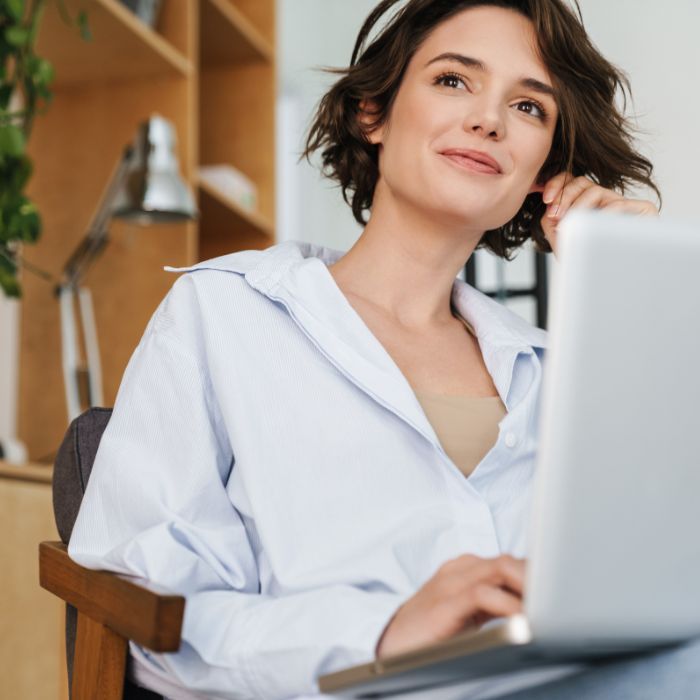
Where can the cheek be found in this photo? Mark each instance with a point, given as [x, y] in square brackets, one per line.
[531, 158]
[410, 149]
[403, 158]
[541, 149]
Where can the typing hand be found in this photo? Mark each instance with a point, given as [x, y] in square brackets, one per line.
[464, 592]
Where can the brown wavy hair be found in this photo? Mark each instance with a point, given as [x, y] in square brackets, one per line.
[592, 136]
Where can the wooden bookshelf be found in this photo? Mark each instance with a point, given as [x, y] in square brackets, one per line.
[231, 37]
[223, 215]
[122, 47]
[208, 67]
[237, 51]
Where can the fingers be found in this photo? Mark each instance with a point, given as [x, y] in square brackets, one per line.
[564, 192]
[511, 572]
[571, 193]
[468, 571]
[484, 601]
[496, 602]
[549, 228]
[554, 186]
[510, 569]
[640, 207]
[592, 197]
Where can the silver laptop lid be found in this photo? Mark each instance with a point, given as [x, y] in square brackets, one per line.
[615, 533]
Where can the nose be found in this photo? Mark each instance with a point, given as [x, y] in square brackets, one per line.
[484, 119]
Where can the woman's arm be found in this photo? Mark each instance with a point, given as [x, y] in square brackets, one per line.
[158, 506]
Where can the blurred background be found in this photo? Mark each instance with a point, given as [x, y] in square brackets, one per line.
[223, 91]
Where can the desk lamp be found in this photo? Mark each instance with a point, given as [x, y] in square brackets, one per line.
[145, 187]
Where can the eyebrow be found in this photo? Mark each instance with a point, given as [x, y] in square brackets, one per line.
[469, 62]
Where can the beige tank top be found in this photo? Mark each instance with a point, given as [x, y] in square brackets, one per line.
[466, 426]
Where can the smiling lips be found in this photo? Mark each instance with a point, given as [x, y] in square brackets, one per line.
[476, 161]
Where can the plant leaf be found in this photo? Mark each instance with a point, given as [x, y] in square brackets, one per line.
[17, 36]
[19, 26]
[12, 141]
[5, 94]
[43, 72]
[8, 276]
[14, 8]
[20, 173]
[29, 222]
[10, 285]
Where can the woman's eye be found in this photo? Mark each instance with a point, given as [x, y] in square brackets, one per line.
[540, 111]
[451, 80]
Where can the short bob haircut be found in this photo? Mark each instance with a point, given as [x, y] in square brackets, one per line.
[592, 136]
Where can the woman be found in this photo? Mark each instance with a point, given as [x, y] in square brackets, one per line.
[274, 454]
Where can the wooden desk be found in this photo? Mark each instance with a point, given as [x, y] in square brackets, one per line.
[32, 644]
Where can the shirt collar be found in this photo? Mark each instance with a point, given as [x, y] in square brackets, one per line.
[296, 274]
[266, 269]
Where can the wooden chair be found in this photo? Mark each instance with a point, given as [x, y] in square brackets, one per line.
[103, 610]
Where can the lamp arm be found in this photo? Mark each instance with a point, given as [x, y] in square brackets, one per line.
[96, 238]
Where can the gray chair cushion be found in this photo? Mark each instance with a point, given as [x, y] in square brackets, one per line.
[73, 465]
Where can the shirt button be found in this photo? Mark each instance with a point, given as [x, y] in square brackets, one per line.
[511, 440]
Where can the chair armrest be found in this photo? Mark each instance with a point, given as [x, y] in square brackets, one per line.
[133, 608]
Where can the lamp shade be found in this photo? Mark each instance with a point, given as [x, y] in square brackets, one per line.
[153, 190]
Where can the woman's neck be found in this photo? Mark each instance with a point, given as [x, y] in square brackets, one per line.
[405, 265]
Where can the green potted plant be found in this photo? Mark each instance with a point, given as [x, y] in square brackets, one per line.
[25, 80]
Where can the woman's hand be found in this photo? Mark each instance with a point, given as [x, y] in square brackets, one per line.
[464, 592]
[564, 192]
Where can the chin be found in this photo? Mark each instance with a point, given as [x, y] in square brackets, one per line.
[465, 211]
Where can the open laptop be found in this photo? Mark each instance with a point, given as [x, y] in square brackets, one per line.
[614, 563]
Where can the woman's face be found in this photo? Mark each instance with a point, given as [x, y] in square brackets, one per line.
[443, 104]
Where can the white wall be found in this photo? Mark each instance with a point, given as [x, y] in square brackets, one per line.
[653, 42]
[656, 44]
[312, 33]
[9, 330]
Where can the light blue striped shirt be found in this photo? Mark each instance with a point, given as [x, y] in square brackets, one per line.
[267, 459]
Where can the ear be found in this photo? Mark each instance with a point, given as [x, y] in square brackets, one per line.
[368, 109]
[543, 177]
[536, 187]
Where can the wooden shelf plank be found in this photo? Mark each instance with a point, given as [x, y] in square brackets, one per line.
[27, 472]
[227, 36]
[253, 219]
[122, 47]
[226, 227]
